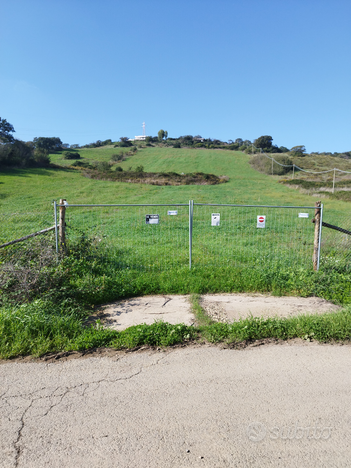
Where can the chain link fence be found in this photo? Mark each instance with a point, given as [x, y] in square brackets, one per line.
[17, 225]
[285, 235]
[336, 245]
[143, 237]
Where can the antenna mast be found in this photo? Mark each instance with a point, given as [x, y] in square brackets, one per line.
[143, 128]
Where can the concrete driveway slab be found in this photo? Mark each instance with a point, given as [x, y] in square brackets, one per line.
[147, 309]
[232, 307]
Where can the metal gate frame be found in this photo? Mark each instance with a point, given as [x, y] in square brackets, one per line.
[63, 205]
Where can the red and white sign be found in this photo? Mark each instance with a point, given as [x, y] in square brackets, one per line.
[261, 221]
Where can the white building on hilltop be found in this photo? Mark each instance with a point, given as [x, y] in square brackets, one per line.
[139, 137]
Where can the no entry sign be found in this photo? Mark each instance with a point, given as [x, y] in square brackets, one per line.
[261, 221]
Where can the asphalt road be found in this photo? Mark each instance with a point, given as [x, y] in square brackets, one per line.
[275, 405]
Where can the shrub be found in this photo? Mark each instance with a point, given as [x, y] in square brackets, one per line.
[117, 157]
[263, 164]
[103, 166]
[71, 155]
[176, 145]
[41, 157]
[139, 169]
[119, 169]
[29, 270]
[80, 164]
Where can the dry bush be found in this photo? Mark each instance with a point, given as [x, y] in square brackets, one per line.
[157, 178]
[263, 164]
[28, 269]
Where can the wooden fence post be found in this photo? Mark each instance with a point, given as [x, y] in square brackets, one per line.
[317, 217]
[62, 225]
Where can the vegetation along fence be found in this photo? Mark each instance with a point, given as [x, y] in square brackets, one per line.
[162, 236]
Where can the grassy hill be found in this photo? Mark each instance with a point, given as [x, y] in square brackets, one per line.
[44, 303]
[26, 195]
[34, 189]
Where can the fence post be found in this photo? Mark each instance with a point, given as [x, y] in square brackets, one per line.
[62, 224]
[320, 234]
[334, 180]
[191, 210]
[317, 234]
[56, 227]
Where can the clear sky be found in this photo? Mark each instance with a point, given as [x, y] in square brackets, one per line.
[84, 70]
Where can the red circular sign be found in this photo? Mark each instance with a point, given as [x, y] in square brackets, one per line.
[260, 219]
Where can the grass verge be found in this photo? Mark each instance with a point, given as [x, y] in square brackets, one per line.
[26, 331]
[202, 319]
[44, 303]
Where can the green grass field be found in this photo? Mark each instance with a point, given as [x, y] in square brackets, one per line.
[26, 198]
[114, 254]
[34, 189]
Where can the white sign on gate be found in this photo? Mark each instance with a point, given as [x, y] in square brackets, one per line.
[303, 215]
[215, 219]
[172, 212]
[261, 221]
[152, 219]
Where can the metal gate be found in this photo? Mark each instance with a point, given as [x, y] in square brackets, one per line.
[163, 236]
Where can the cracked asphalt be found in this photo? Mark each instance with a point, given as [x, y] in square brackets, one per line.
[202, 406]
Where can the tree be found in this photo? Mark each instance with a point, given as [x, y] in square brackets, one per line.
[264, 142]
[298, 150]
[19, 154]
[124, 142]
[161, 135]
[49, 144]
[166, 134]
[5, 131]
[186, 140]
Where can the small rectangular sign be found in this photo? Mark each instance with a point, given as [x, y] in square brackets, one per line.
[152, 219]
[303, 215]
[172, 212]
[215, 219]
[261, 221]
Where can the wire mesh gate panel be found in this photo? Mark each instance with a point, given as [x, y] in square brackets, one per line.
[144, 237]
[230, 235]
[160, 237]
[16, 225]
[336, 245]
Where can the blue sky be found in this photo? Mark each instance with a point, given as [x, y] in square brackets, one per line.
[84, 70]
